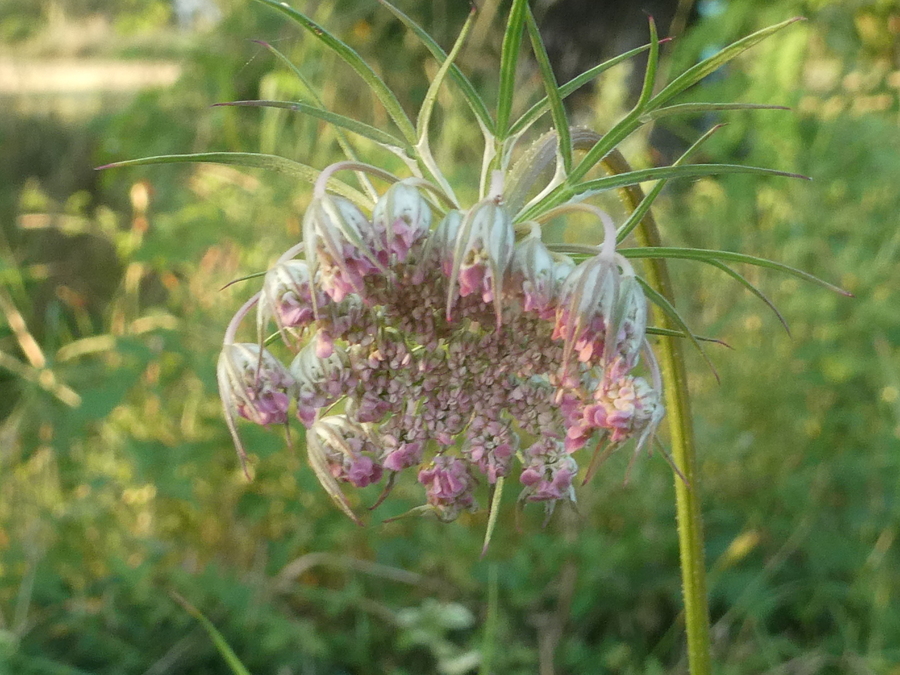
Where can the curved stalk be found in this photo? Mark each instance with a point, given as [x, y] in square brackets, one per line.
[687, 498]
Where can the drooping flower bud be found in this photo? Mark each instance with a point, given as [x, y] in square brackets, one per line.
[448, 486]
[536, 275]
[482, 253]
[630, 322]
[438, 252]
[588, 300]
[254, 384]
[287, 297]
[319, 381]
[336, 247]
[346, 449]
[401, 218]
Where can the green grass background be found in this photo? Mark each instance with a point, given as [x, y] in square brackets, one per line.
[119, 486]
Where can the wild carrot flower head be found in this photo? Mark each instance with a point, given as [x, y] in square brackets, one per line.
[435, 349]
[453, 340]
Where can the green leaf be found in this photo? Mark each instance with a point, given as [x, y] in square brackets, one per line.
[348, 123]
[750, 287]
[669, 172]
[222, 646]
[349, 152]
[509, 59]
[557, 110]
[669, 310]
[636, 216]
[355, 61]
[253, 160]
[693, 108]
[573, 85]
[705, 255]
[668, 332]
[627, 124]
[650, 73]
[431, 95]
[693, 75]
[634, 119]
[475, 102]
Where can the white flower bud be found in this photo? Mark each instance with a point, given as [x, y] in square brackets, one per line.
[319, 381]
[630, 320]
[254, 384]
[287, 296]
[536, 276]
[400, 219]
[333, 236]
[481, 256]
[439, 247]
[588, 300]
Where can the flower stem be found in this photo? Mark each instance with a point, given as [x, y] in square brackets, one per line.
[690, 523]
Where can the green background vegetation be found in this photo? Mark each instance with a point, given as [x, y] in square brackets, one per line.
[118, 483]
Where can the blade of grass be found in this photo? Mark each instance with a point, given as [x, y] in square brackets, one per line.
[470, 94]
[509, 59]
[43, 378]
[218, 639]
[557, 110]
[705, 255]
[355, 61]
[348, 123]
[255, 161]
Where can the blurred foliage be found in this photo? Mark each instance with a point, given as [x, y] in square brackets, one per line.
[120, 486]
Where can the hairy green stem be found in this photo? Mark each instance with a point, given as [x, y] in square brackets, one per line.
[678, 413]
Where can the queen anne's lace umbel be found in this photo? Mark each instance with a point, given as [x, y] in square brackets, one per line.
[452, 350]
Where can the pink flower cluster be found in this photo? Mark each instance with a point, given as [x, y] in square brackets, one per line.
[450, 350]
